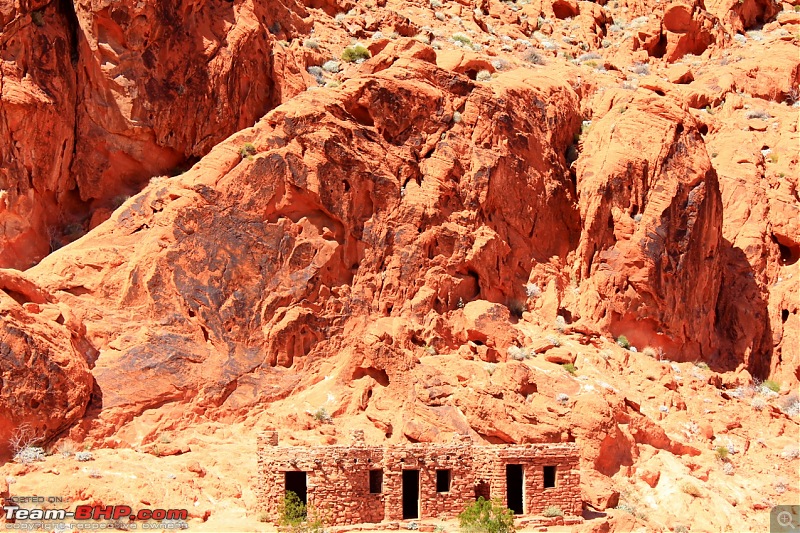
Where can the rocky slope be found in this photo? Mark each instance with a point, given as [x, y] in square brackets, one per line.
[414, 243]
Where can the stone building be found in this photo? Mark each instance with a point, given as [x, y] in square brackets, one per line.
[359, 484]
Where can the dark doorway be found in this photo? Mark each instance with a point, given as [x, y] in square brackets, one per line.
[296, 482]
[514, 488]
[549, 473]
[410, 494]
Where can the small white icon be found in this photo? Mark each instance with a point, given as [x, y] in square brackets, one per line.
[785, 518]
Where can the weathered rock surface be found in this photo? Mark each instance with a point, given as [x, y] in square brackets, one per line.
[758, 305]
[740, 16]
[687, 28]
[411, 245]
[652, 212]
[97, 99]
[37, 123]
[45, 372]
[146, 88]
[245, 264]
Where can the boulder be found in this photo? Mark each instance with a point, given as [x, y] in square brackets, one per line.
[598, 491]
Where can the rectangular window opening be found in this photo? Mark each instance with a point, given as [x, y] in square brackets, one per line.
[442, 481]
[375, 481]
[549, 477]
[482, 490]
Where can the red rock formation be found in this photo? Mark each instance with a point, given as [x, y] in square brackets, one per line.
[755, 311]
[740, 16]
[651, 209]
[45, 372]
[98, 99]
[418, 245]
[687, 29]
[37, 121]
[147, 88]
[336, 231]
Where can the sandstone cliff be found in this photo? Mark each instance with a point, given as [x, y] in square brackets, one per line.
[223, 225]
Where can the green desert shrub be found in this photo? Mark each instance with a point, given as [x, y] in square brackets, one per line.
[292, 511]
[722, 452]
[486, 516]
[323, 416]
[247, 151]
[313, 44]
[461, 38]
[295, 517]
[623, 341]
[354, 53]
[552, 511]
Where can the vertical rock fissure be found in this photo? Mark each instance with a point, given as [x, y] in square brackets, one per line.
[67, 9]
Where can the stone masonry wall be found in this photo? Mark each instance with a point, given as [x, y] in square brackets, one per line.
[337, 480]
[490, 467]
[338, 477]
[428, 458]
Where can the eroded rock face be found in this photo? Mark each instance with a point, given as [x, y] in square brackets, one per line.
[687, 29]
[652, 212]
[740, 16]
[362, 202]
[37, 122]
[756, 314]
[45, 365]
[99, 97]
[424, 244]
[171, 80]
[372, 213]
